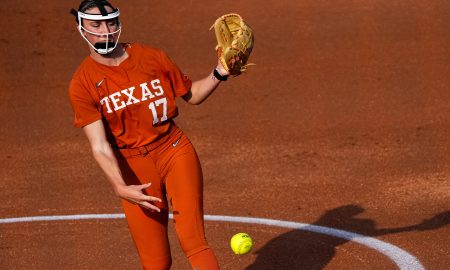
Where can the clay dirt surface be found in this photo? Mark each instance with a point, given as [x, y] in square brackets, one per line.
[344, 122]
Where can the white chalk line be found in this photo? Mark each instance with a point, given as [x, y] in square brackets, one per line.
[400, 257]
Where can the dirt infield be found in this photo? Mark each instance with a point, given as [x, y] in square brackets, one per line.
[343, 123]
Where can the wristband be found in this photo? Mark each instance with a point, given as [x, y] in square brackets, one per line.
[220, 77]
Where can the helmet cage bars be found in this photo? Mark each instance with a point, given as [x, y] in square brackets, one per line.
[100, 47]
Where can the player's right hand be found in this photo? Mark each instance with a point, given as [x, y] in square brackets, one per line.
[134, 194]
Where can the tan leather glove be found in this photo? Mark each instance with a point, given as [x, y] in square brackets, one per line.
[235, 42]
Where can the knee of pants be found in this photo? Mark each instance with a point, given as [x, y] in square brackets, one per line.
[190, 230]
[192, 240]
[159, 264]
[193, 247]
[204, 260]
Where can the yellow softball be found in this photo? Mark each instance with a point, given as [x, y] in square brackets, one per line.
[241, 243]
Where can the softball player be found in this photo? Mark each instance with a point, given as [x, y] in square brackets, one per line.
[123, 96]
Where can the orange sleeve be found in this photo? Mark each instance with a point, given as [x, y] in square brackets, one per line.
[84, 107]
[181, 83]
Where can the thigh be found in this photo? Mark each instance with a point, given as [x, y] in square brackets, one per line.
[141, 170]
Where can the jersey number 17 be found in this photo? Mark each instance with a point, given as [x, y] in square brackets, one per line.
[152, 106]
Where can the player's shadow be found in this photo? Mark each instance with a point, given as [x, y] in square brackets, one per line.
[302, 249]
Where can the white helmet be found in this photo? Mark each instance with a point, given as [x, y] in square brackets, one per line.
[100, 47]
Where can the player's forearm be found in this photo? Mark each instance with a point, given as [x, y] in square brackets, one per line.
[202, 89]
[108, 163]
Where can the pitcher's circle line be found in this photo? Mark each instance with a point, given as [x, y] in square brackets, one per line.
[400, 257]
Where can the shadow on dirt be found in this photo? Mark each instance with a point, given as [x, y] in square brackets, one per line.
[299, 249]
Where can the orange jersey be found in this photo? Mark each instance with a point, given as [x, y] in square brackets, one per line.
[135, 100]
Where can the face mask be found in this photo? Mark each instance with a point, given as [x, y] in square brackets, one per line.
[100, 47]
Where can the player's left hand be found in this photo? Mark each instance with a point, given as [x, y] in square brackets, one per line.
[235, 42]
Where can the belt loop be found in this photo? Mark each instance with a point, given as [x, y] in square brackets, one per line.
[143, 150]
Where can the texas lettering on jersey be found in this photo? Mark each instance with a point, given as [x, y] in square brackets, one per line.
[114, 102]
